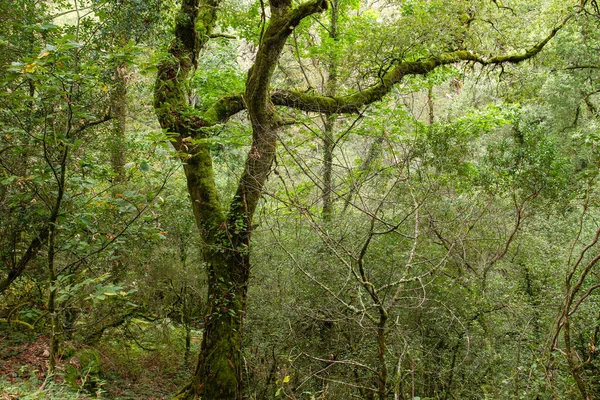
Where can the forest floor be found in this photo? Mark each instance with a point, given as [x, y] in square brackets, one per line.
[124, 371]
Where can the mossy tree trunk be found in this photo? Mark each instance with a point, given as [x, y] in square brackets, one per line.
[225, 232]
[226, 229]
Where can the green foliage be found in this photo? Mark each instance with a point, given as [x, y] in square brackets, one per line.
[241, 17]
[459, 203]
[218, 74]
[529, 162]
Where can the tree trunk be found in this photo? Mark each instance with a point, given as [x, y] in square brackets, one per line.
[118, 110]
[226, 236]
[328, 147]
[16, 270]
[218, 373]
[329, 120]
[430, 105]
[575, 365]
[53, 310]
[381, 362]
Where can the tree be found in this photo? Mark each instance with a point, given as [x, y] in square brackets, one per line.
[226, 228]
[50, 194]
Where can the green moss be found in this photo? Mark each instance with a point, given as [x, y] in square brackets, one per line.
[90, 362]
[84, 368]
[67, 350]
[224, 108]
[71, 376]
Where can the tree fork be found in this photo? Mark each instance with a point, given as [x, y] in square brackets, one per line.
[226, 236]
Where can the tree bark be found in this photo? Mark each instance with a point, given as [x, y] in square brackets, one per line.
[219, 373]
[329, 120]
[381, 361]
[118, 111]
[226, 235]
[55, 329]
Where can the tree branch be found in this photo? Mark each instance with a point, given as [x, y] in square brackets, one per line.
[304, 10]
[352, 103]
[223, 109]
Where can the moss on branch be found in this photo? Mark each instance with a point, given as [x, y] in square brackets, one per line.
[193, 25]
[312, 103]
[354, 102]
[304, 10]
[224, 108]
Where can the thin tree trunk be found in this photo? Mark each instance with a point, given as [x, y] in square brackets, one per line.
[55, 332]
[117, 147]
[575, 365]
[16, 268]
[430, 104]
[118, 110]
[398, 394]
[381, 350]
[328, 147]
[34, 247]
[329, 120]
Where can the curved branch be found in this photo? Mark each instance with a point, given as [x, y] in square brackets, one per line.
[228, 106]
[314, 103]
[352, 103]
[34, 247]
[304, 10]
[225, 108]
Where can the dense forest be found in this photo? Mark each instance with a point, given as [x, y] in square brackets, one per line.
[299, 199]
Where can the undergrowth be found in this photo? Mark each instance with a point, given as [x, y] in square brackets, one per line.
[119, 367]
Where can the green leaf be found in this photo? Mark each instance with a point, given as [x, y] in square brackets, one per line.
[144, 166]
[71, 45]
[8, 180]
[47, 27]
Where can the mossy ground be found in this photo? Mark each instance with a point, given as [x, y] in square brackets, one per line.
[114, 369]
